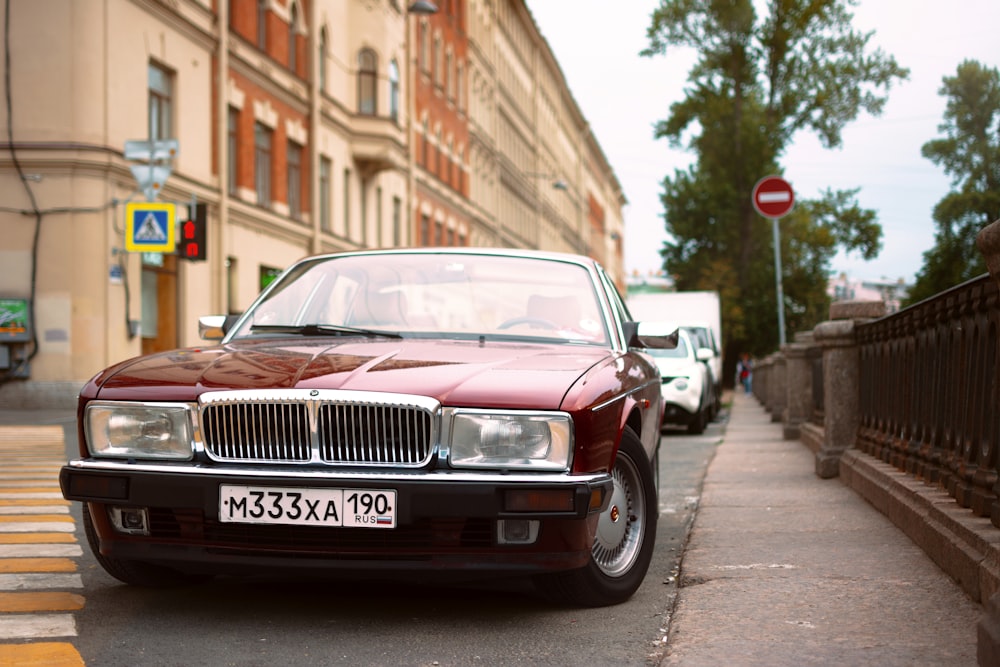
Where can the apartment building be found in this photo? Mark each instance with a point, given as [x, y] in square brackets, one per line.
[301, 126]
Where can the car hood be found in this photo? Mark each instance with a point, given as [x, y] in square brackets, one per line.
[676, 366]
[457, 373]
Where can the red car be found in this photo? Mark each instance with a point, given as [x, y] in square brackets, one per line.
[460, 410]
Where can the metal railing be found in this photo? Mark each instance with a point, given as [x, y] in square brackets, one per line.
[928, 392]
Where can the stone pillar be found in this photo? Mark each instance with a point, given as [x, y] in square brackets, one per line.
[798, 385]
[779, 388]
[988, 640]
[840, 380]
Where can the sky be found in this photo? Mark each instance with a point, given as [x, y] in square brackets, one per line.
[622, 95]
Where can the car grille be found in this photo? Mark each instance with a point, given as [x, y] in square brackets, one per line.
[350, 428]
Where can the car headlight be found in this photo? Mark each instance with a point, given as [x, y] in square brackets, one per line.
[497, 439]
[139, 430]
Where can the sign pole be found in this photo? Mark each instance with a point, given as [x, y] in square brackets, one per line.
[777, 281]
[773, 198]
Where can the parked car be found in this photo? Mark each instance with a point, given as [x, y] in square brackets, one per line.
[687, 383]
[401, 411]
[703, 336]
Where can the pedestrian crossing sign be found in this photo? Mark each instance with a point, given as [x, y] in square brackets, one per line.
[149, 227]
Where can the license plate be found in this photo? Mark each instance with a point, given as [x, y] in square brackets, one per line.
[352, 508]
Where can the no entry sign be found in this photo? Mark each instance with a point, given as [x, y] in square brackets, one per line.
[773, 197]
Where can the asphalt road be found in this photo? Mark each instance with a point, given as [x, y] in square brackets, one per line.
[280, 622]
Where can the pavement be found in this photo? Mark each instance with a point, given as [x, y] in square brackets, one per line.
[783, 568]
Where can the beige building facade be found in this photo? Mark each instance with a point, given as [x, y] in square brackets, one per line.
[303, 126]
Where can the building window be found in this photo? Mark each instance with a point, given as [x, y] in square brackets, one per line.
[394, 91]
[367, 82]
[459, 88]
[397, 222]
[425, 230]
[425, 45]
[347, 202]
[262, 163]
[294, 158]
[448, 78]
[232, 151]
[425, 158]
[268, 274]
[262, 24]
[161, 103]
[438, 234]
[325, 193]
[293, 18]
[437, 61]
[378, 215]
[323, 55]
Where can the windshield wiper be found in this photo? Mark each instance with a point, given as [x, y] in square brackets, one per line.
[321, 330]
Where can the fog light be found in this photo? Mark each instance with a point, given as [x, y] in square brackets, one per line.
[517, 531]
[130, 520]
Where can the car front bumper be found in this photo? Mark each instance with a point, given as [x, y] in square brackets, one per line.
[446, 520]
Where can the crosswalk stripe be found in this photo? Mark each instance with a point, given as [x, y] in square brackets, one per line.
[30, 527]
[40, 550]
[8, 565]
[40, 601]
[37, 551]
[27, 626]
[27, 509]
[28, 502]
[36, 538]
[18, 518]
[21, 582]
[41, 654]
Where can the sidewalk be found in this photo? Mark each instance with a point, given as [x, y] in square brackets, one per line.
[784, 568]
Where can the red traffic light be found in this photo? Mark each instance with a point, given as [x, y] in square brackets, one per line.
[194, 232]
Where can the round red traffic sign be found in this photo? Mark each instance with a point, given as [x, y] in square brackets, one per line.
[773, 197]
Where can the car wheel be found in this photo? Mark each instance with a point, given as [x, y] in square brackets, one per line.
[136, 573]
[623, 544]
[697, 424]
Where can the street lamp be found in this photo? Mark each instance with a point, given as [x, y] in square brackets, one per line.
[557, 183]
[422, 7]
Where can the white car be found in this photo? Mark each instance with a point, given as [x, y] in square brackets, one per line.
[687, 390]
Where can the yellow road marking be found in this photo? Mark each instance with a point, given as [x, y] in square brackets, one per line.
[40, 601]
[9, 565]
[16, 518]
[28, 502]
[36, 538]
[43, 654]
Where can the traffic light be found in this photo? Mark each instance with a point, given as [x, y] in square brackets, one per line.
[194, 232]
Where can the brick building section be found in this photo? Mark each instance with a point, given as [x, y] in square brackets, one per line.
[243, 22]
[440, 97]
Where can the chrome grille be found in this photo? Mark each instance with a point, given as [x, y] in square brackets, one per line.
[319, 427]
[258, 431]
[376, 434]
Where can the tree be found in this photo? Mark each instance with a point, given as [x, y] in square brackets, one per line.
[969, 151]
[754, 86]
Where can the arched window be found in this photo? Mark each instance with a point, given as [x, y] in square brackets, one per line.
[394, 90]
[367, 82]
[262, 24]
[293, 18]
[322, 59]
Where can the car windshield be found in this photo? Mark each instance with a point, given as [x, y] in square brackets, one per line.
[432, 295]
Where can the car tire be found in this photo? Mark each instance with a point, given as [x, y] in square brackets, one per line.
[622, 551]
[135, 573]
[697, 424]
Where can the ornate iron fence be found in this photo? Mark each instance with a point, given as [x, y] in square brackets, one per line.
[929, 401]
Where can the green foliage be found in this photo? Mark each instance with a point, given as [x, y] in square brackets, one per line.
[756, 83]
[969, 152]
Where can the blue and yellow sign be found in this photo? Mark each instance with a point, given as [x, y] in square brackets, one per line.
[149, 227]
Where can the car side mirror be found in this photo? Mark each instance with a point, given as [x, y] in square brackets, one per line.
[215, 327]
[704, 354]
[652, 335]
